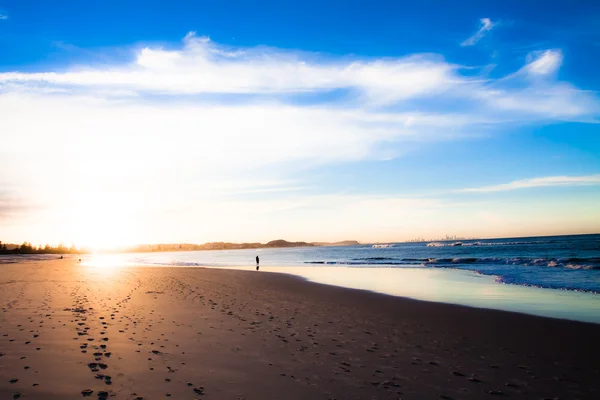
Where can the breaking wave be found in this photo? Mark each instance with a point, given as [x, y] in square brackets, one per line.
[453, 244]
[572, 263]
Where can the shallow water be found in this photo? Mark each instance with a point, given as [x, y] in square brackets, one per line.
[459, 287]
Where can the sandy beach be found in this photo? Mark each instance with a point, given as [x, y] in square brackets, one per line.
[68, 331]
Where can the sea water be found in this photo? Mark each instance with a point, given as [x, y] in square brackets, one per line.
[555, 276]
[558, 262]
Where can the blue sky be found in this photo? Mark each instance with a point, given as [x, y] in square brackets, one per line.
[377, 121]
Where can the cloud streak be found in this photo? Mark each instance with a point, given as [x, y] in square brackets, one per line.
[186, 128]
[234, 107]
[486, 26]
[207, 107]
[204, 70]
[545, 62]
[11, 205]
[550, 181]
[203, 67]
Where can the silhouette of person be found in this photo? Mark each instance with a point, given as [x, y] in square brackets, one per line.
[257, 260]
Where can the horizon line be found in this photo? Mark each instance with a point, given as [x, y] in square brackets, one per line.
[415, 240]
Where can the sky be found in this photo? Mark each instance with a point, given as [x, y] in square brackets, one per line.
[128, 122]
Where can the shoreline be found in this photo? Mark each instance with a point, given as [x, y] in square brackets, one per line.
[447, 286]
[594, 321]
[241, 334]
[440, 285]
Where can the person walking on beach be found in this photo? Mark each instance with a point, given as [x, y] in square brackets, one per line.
[257, 260]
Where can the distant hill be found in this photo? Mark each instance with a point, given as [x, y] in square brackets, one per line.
[285, 243]
[214, 246]
[342, 243]
[27, 248]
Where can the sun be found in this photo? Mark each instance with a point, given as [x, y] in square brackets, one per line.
[99, 235]
[100, 223]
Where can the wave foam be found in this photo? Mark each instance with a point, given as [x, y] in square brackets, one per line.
[572, 263]
[452, 244]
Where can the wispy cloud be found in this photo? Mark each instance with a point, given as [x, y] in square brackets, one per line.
[238, 104]
[10, 205]
[550, 181]
[180, 120]
[205, 106]
[202, 67]
[533, 91]
[3, 16]
[545, 62]
[486, 26]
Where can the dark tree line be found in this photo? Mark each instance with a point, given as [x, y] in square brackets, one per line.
[28, 248]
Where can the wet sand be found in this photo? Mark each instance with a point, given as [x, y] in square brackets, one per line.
[69, 331]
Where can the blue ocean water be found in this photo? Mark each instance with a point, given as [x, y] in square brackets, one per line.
[558, 262]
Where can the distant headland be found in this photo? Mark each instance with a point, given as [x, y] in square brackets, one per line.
[28, 248]
[279, 243]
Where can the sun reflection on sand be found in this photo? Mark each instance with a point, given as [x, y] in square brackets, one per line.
[105, 262]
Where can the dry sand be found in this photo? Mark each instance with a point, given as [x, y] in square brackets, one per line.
[193, 333]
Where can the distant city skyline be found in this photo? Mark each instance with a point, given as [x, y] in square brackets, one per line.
[375, 121]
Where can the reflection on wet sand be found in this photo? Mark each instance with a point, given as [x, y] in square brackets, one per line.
[105, 261]
[456, 287]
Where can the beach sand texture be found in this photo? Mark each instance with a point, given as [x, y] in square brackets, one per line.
[69, 331]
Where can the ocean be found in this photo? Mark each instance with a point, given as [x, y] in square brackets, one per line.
[555, 276]
[557, 262]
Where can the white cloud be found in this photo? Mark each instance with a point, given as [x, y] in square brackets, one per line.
[533, 93]
[550, 181]
[559, 101]
[228, 136]
[120, 158]
[101, 117]
[180, 129]
[544, 63]
[486, 26]
[232, 105]
[3, 16]
[202, 67]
